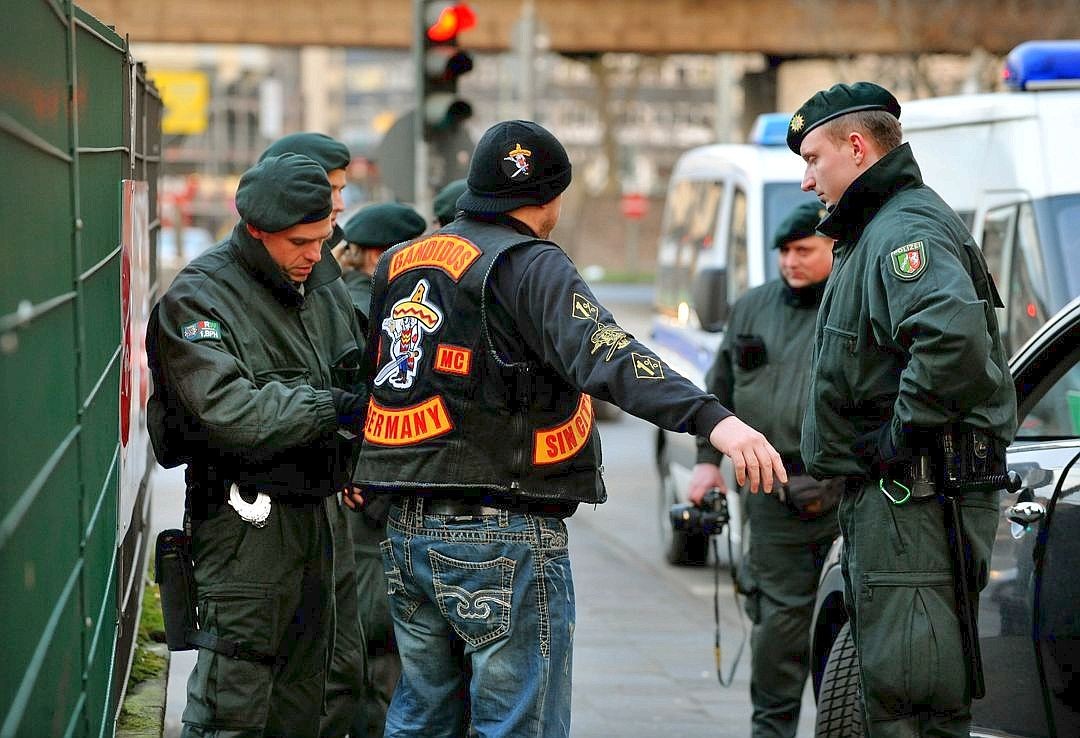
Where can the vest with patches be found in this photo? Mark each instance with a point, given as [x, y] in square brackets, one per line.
[446, 411]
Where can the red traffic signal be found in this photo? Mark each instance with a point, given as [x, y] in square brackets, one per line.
[452, 20]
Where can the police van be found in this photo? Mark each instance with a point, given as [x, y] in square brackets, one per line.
[1009, 163]
[724, 203]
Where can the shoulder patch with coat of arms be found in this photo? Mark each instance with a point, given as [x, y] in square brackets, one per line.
[909, 261]
[201, 330]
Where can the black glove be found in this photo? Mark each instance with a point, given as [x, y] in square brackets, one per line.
[350, 409]
[878, 449]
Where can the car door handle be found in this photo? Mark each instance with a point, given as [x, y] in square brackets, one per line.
[1026, 513]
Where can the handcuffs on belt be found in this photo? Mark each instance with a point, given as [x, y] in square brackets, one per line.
[256, 512]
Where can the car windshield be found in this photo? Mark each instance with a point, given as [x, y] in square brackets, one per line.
[780, 199]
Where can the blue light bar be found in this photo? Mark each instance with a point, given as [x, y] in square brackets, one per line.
[1042, 65]
[770, 129]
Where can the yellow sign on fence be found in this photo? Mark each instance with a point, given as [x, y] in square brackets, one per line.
[186, 96]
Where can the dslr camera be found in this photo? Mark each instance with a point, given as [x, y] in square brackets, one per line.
[708, 518]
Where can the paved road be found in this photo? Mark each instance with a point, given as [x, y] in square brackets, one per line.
[643, 663]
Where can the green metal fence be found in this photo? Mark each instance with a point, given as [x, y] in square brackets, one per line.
[76, 118]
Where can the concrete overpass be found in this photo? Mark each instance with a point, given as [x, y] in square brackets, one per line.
[782, 28]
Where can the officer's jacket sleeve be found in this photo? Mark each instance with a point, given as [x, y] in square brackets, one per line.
[566, 326]
[937, 322]
[240, 416]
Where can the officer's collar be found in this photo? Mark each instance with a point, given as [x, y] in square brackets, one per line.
[864, 197]
[257, 260]
[803, 297]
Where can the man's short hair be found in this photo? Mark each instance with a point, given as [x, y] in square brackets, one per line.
[879, 126]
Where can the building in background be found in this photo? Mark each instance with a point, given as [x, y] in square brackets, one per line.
[624, 117]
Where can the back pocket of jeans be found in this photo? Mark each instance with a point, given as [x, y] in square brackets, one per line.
[474, 596]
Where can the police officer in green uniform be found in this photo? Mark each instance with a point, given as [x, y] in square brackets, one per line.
[907, 354]
[445, 202]
[250, 349]
[762, 372]
[368, 234]
[344, 683]
[486, 346]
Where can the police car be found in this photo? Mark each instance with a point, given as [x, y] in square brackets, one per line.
[723, 205]
[1029, 613]
[1009, 164]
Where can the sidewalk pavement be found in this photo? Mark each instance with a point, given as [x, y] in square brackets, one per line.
[643, 662]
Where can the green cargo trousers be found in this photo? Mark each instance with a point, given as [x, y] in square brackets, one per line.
[269, 589]
[899, 595]
[373, 607]
[345, 681]
[784, 580]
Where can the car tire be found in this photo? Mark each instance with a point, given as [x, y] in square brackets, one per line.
[680, 548]
[839, 705]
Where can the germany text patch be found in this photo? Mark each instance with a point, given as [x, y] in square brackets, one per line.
[908, 261]
[202, 329]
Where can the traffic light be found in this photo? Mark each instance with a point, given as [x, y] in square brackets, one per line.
[442, 62]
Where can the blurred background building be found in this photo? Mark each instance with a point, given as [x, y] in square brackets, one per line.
[625, 117]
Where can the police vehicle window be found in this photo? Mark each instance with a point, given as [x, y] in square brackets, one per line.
[738, 273]
[700, 232]
[996, 239]
[1058, 222]
[780, 198]
[675, 231]
[1026, 306]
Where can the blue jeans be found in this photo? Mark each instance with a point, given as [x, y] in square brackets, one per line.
[490, 595]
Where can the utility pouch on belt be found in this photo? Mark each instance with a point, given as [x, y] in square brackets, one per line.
[749, 350]
[346, 454]
[809, 498]
[971, 461]
[176, 582]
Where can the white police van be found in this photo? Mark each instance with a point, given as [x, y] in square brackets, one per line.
[1009, 163]
[724, 203]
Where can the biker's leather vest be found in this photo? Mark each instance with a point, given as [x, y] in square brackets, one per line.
[446, 410]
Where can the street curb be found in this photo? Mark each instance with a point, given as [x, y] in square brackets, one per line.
[142, 713]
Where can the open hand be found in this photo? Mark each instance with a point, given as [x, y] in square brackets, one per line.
[751, 453]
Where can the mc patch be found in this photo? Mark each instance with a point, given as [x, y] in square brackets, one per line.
[908, 261]
[201, 330]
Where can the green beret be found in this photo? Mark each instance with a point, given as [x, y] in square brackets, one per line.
[445, 203]
[836, 101]
[384, 225]
[281, 191]
[800, 223]
[329, 153]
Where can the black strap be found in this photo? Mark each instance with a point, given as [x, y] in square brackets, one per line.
[231, 649]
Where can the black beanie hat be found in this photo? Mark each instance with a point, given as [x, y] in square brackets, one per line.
[516, 163]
